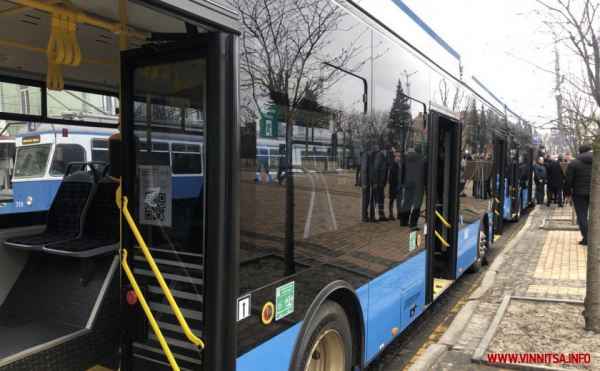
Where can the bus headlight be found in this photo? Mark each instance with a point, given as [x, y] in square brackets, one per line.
[29, 201]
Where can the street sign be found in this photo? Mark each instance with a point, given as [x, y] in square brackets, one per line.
[268, 125]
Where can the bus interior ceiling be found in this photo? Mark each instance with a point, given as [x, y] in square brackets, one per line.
[50, 301]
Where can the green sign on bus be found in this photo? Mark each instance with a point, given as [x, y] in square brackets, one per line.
[268, 125]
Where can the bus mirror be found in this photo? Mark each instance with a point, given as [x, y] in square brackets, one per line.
[114, 157]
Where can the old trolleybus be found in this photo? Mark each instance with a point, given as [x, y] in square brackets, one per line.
[130, 268]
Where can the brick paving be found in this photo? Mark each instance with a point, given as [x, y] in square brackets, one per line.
[544, 264]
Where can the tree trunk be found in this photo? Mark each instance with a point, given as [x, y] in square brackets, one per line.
[592, 294]
[288, 255]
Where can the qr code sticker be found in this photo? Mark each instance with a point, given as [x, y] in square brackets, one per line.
[156, 205]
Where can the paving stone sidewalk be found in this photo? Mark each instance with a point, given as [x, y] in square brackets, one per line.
[543, 264]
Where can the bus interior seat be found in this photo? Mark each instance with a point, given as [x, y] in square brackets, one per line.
[101, 228]
[65, 216]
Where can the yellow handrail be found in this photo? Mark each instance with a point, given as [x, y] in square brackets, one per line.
[151, 319]
[442, 219]
[159, 277]
[441, 239]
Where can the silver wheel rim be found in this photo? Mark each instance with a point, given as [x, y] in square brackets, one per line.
[328, 353]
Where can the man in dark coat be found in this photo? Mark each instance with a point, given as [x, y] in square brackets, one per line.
[523, 170]
[556, 178]
[540, 177]
[365, 182]
[578, 182]
[379, 179]
[357, 164]
[394, 181]
[414, 186]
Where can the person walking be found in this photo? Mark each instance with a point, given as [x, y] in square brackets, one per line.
[548, 160]
[281, 169]
[578, 182]
[556, 178]
[540, 177]
[365, 182]
[379, 180]
[262, 157]
[357, 165]
[394, 181]
[414, 185]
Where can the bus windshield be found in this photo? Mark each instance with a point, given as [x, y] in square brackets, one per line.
[31, 161]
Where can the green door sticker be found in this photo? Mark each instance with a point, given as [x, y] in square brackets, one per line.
[413, 241]
[284, 301]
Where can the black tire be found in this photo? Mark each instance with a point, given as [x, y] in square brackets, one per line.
[482, 242]
[330, 318]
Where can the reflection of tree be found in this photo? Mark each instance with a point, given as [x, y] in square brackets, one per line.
[283, 46]
[399, 118]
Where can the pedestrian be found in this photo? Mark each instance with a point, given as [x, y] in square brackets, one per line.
[281, 169]
[414, 185]
[394, 181]
[365, 182]
[357, 165]
[539, 171]
[262, 157]
[578, 182]
[548, 160]
[567, 158]
[523, 170]
[556, 178]
[379, 179]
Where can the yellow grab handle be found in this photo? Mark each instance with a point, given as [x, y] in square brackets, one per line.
[441, 239]
[159, 277]
[144, 305]
[442, 219]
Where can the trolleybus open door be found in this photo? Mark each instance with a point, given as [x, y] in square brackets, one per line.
[179, 180]
[443, 169]
[498, 183]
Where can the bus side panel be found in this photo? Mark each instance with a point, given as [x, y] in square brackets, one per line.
[42, 193]
[507, 208]
[467, 247]
[274, 354]
[185, 187]
[385, 297]
[413, 303]
[524, 199]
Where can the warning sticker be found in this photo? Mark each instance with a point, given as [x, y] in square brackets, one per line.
[284, 301]
[156, 202]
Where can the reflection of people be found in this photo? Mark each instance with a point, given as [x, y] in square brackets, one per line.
[394, 180]
[365, 182]
[379, 180]
[487, 192]
[281, 168]
[357, 165]
[578, 182]
[414, 184]
[262, 157]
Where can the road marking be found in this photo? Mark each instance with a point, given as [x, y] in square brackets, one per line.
[310, 209]
[331, 213]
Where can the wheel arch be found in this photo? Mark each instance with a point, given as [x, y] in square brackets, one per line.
[343, 294]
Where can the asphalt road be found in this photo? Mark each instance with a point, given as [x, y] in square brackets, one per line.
[398, 354]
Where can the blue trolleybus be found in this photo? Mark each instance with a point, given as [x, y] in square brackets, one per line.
[140, 229]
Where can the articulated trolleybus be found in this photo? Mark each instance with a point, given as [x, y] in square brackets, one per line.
[151, 244]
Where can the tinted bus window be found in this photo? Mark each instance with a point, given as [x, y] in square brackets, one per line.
[64, 155]
[160, 154]
[186, 159]
[31, 161]
[99, 150]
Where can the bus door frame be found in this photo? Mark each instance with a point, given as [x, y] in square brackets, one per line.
[453, 122]
[498, 176]
[530, 162]
[221, 188]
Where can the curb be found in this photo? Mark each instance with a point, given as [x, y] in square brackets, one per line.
[456, 328]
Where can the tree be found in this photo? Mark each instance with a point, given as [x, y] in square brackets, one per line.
[576, 26]
[399, 119]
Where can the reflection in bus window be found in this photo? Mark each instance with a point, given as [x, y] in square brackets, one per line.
[64, 155]
[186, 159]
[31, 161]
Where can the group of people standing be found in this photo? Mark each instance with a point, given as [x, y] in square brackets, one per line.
[576, 183]
[405, 176]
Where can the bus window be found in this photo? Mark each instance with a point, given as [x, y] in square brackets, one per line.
[160, 154]
[31, 161]
[99, 150]
[186, 159]
[64, 155]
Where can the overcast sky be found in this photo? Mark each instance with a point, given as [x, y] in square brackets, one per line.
[500, 42]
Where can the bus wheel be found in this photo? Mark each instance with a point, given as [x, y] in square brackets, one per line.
[328, 344]
[481, 247]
